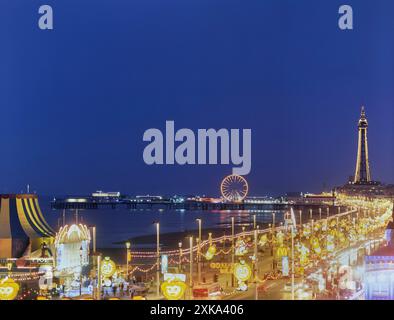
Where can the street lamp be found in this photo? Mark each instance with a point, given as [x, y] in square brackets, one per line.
[80, 276]
[98, 277]
[64, 217]
[128, 245]
[94, 238]
[180, 257]
[191, 266]
[313, 226]
[292, 260]
[157, 258]
[300, 212]
[255, 267]
[199, 221]
[232, 249]
[273, 220]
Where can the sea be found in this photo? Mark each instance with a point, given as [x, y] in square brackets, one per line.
[116, 225]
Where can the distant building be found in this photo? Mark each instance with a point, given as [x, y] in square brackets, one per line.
[310, 198]
[294, 196]
[322, 198]
[23, 228]
[372, 189]
[101, 194]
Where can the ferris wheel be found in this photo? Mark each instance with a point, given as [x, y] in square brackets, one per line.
[234, 188]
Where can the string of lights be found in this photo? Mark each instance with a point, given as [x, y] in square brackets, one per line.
[203, 244]
[243, 234]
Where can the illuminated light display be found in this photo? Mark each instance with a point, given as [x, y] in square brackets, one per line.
[263, 240]
[174, 286]
[309, 250]
[330, 243]
[108, 267]
[210, 252]
[316, 245]
[307, 231]
[211, 249]
[234, 188]
[280, 237]
[45, 282]
[242, 271]
[346, 278]
[240, 248]
[304, 256]
[8, 289]
[72, 248]
[173, 290]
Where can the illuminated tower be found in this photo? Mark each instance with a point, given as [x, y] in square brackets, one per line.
[363, 174]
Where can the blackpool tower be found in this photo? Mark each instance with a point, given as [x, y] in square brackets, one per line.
[363, 173]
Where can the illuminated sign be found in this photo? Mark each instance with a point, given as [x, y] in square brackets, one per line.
[108, 267]
[242, 271]
[222, 266]
[164, 263]
[45, 281]
[173, 290]
[282, 251]
[8, 289]
[173, 287]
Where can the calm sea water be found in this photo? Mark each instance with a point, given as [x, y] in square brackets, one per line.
[114, 225]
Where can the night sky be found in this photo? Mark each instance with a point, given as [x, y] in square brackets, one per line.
[75, 101]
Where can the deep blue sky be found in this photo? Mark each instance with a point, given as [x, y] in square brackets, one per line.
[75, 101]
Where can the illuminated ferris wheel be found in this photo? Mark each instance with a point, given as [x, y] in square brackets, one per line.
[234, 188]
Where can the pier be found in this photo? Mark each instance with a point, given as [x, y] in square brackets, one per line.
[88, 203]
